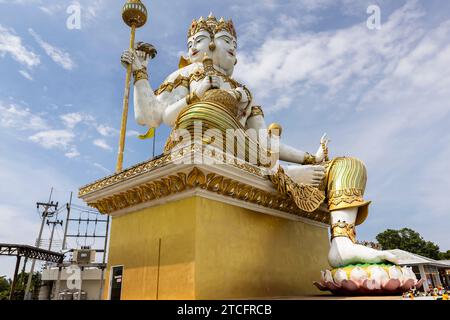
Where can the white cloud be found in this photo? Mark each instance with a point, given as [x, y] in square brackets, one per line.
[107, 131]
[11, 44]
[59, 56]
[102, 144]
[72, 153]
[20, 118]
[73, 119]
[50, 139]
[340, 61]
[52, 8]
[26, 75]
[132, 133]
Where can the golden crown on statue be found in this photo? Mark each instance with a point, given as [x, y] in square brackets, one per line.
[212, 25]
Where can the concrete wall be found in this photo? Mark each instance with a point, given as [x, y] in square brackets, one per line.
[90, 284]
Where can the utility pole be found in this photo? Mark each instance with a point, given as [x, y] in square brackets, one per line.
[53, 223]
[45, 214]
[58, 281]
[102, 279]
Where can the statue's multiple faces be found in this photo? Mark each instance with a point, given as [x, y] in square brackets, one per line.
[223, 52]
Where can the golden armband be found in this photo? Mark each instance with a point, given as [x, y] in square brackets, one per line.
[140, 74]
[343, 229]
[257, 111]
[309, 159]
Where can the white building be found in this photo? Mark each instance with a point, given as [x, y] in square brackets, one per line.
[434, 272]
[90, 282]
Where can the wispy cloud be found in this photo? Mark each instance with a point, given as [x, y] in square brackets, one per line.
[50, 139]
[58, 55]
[26, 75]
[20, 118]
[102, 144]
[107, 131]
[11, 43]
[344, 62]
[72, 153]
[70, 120]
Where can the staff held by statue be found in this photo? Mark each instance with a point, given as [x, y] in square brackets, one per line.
[134, 15]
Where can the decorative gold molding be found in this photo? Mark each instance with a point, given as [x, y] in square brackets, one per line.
[211, 182]
[170, 86]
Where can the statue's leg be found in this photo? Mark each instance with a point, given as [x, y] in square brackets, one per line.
[343, 250]
[345, 185]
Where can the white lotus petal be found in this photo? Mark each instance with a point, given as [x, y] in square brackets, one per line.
[408, 274]
[328, 276]
[379, 275]
[339, 276]
[322, 273]
[395, 273]
[358, 275]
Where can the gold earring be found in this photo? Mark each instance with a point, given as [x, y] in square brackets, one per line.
[212, 46]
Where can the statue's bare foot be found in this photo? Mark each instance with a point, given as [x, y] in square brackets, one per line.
[344, 252]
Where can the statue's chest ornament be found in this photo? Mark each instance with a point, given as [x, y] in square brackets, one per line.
[199, 75]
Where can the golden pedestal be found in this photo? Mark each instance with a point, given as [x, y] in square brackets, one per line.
[207, 232]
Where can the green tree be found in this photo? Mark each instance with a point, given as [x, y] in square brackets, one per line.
[445, 255]
[22, 280]
[408, 240]
[4, 289]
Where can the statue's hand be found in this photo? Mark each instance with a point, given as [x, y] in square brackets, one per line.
[242, 95]
[308, 175]
[322, 152]
[208, 82]
[137, 58]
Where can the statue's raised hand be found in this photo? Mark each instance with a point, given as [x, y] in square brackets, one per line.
[139, 57]
[322, 152]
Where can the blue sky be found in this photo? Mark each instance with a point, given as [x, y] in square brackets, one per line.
[381, 95]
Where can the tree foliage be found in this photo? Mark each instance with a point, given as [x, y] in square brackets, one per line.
[445, 255]
[19, 292]
[411, 241]
[4, 289]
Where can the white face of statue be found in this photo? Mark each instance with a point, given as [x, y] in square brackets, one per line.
[225, 54]
[198, 45]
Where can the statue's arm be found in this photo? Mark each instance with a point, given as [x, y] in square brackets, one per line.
[147, 108]
[178, 101]
[287, 153]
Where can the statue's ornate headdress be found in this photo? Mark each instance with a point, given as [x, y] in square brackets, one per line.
[212, 26]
